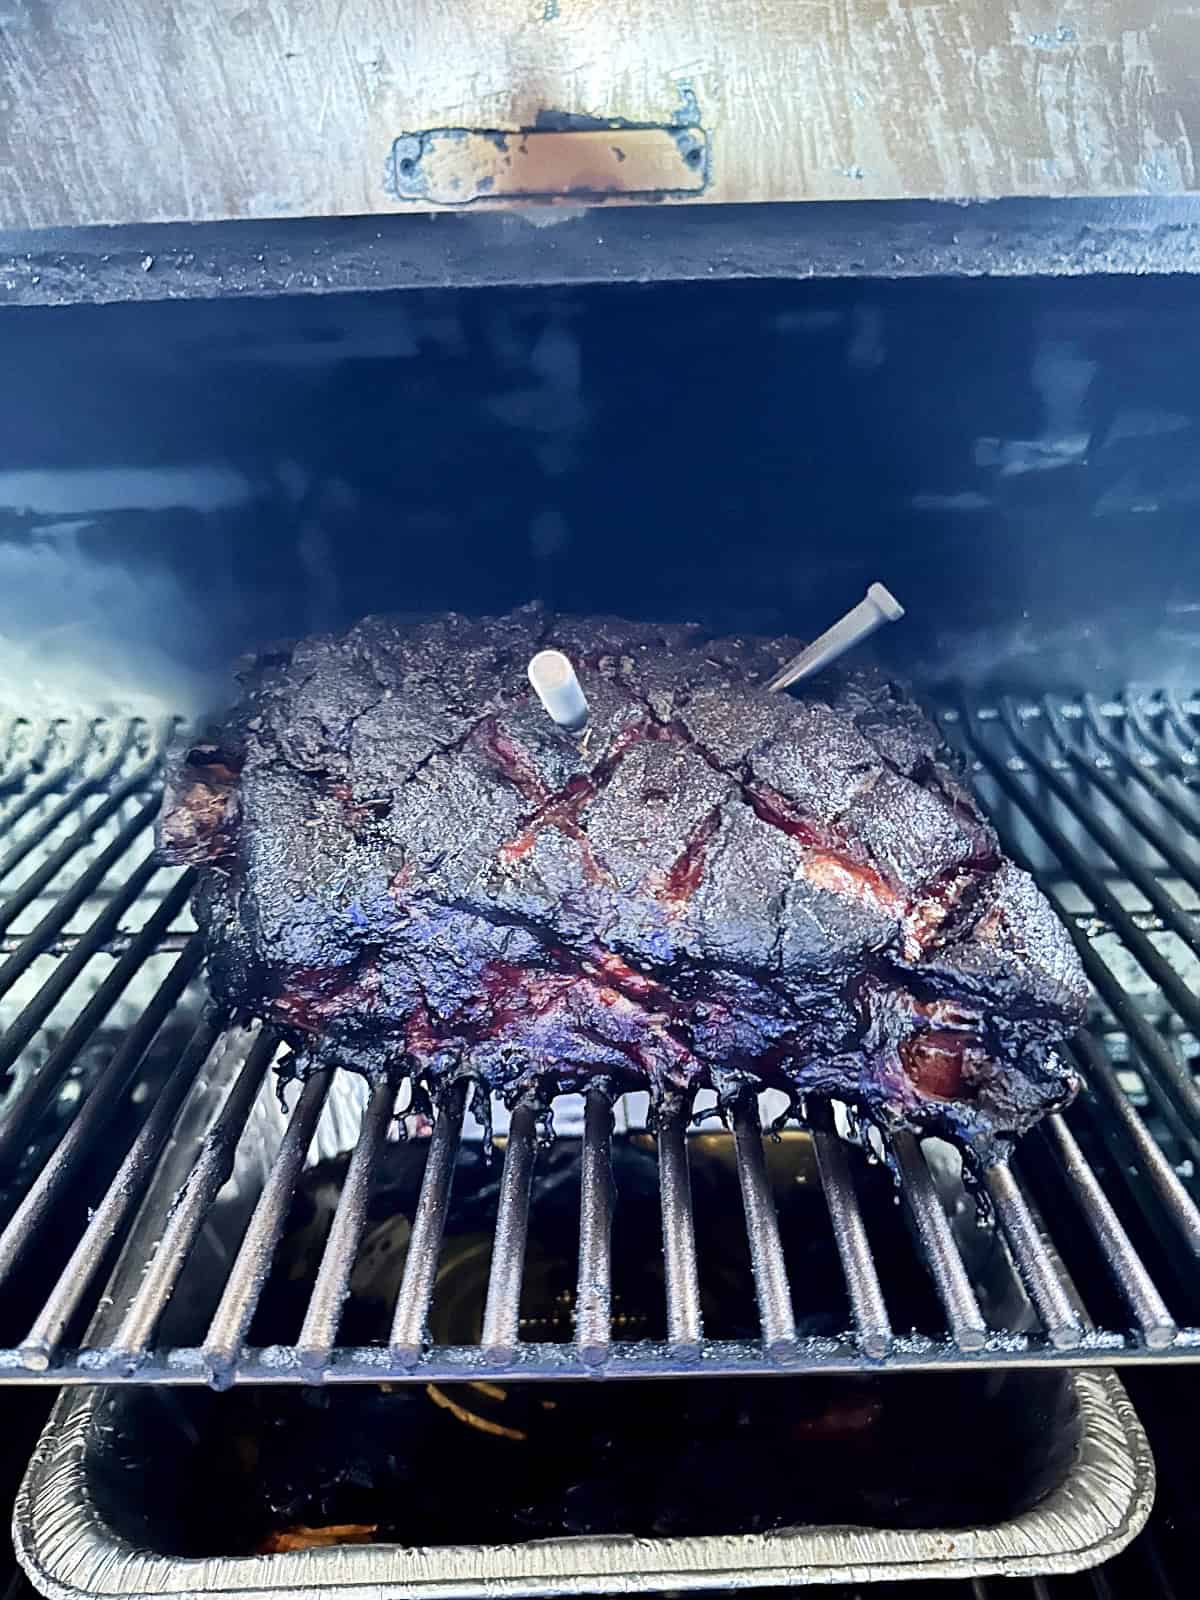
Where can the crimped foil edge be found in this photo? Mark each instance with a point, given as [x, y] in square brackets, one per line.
[68, 1552]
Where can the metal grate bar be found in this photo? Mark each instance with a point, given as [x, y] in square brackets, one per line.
[244, 1285]
[1158, 1091]
[64, 974]
[850, 1235]
[1173, 801]
[1161, 899]
[1173, 1079]
[685, 1323]
[38, 882]
[1134, 940]
[332, 1283]
[1152, 1164]
[1045, 1285]
[502, 1310]
[429, 1221]
[1178, 860]
[38, 941]
[1185, 732]
[39, 1344]
[593, 1293]
[95, 783]
[1135, 713]
[941, 1254]
[1158, 1058]
[26, 1101]
[213, 1166]
[16, 728]
[1148, 1306]
[774, 1292]
[76, 745]
[95, 1115]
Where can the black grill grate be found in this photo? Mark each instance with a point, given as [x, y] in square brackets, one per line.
[112, 1060]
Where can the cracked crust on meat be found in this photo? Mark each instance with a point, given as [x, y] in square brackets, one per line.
[411, 869]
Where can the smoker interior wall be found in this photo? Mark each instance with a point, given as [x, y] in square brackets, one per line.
[1018, 460]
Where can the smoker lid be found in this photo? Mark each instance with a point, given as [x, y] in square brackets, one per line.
[326, 110]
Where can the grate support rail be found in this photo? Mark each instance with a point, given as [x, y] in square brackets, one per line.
[1099, 800]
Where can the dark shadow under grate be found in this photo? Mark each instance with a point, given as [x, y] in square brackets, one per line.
[114, 1064]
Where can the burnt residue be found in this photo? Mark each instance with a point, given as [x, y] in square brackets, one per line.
[580, 122]
[425, 876]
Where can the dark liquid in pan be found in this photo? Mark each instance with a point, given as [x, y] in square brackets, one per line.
[489, 1462]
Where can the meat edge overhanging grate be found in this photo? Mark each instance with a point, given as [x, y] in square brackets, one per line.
[1098, 799]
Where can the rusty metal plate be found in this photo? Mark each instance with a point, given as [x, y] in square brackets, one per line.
[459, 166]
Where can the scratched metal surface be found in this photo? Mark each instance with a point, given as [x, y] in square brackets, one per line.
[322, 256]
[203, 110]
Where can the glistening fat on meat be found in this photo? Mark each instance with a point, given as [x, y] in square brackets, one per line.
[409, 868]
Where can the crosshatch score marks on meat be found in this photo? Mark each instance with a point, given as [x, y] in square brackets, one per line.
[410, 870]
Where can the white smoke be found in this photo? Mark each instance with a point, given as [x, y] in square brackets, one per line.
[78, 633]
[84, 628]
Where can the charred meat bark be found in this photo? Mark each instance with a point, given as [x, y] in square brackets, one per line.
[407, 867]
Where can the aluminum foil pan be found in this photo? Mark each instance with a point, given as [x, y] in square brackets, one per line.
[67, 1549]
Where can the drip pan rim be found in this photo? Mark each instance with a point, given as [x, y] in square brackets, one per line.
[68, 1552]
